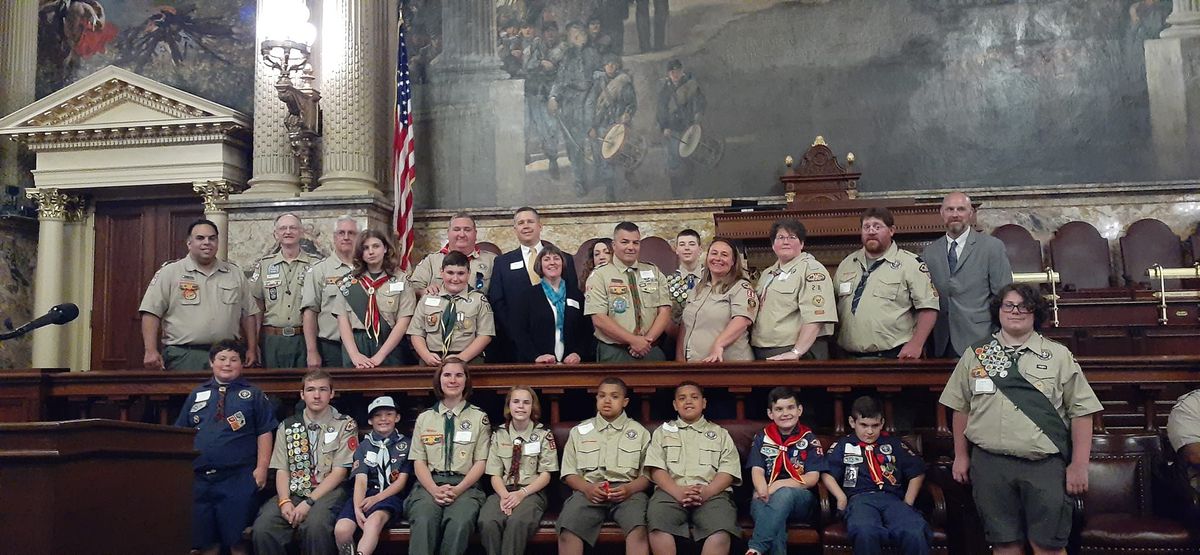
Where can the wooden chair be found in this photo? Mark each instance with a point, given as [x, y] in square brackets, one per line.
[1146, 243]
[1024, 252]
[1080, 255]
[658, 251]
[489, 247]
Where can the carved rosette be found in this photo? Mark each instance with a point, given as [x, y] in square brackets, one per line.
[214, 191]
[54, 204]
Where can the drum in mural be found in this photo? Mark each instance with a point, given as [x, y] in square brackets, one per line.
[700, 148]
[623, 147]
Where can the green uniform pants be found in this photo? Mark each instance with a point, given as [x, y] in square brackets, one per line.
[620, 353]
[503, 534]
[272, 533]
[186, 358]
[331, 353]
[284, 352]
[438, 529]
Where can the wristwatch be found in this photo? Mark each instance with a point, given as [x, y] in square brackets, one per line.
[310, 501]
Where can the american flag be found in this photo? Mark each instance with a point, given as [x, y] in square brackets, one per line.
[403, 156]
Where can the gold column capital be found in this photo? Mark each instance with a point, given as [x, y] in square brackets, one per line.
[213, 191]
[54, 204]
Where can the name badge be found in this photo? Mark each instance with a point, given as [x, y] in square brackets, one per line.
[372, 458]
[572, 303]
[203, 395]
[852, 459]
[517, 265]
[531, 448]
[852, 450]
[647, 274]
[330, 437]
[984, 385]
[396, 287]
[585, 428]
[433, 301]
[844, 288]
[783, 276]
[462, 436]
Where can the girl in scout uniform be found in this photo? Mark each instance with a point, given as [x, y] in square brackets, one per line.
[719, 311]
[522, 456]
[456, 321]
[374, 305]
[449, 452]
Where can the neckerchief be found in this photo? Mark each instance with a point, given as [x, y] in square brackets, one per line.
[783, 464]
[383, 457]
[873, 466]
[559, 300]
[474, 254]
[371, 286]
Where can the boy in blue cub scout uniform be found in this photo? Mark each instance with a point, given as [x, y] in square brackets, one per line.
[379, 475]
[872, 470]
[233, 422]
[784, 464]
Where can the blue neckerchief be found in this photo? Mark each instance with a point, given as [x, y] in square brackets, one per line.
[559, 299]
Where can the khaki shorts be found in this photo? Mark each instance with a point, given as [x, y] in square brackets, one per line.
[584, 518]
[715, 515]
[1020, 499]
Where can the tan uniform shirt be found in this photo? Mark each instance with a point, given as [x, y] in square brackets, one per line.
[598, 450]
[198, 308]
[279, 284]
[791, 295]
[613, 291]
[320, 288]
[467, 444]
[886, 315]
[694, 453]
[537, 451]
[333, 446]
[708, 312]
[995, 423]
[474, 319]
[396, 300]
[1183, 426]
[429, 271]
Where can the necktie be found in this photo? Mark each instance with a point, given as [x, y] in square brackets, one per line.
[514, 470]
[449, 319]
[533, 277]
[221, 403]
[862, 284]
[447, 443]
[952, 256]
[631, 279]
[873, 467]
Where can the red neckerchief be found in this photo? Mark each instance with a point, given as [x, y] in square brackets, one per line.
[782, 463]
[371, 286]
[874, 468]
[446, 250]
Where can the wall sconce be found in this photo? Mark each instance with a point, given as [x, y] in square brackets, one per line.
[286, 48]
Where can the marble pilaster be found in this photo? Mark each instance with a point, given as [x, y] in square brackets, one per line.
[18, 66]
[1173, 82]
[275, 172]
[18, 262]
[54, 209]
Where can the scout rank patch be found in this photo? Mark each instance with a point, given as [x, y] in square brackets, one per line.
[236, 421]
[189, 290]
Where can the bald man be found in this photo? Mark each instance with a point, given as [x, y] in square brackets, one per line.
[967, 268]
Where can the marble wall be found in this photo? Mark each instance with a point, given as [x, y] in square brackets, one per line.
[18, 257]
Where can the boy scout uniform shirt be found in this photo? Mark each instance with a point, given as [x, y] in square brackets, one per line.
[791, 295]
[1183, 426]
[708, 312]
[468, 442]
[474, 319]
[611, 290]
[694, 453]
[846, 462]
[332, 440]
[538, 454]
[369, 462]
[396, 300]
[479, 274]
[198, 308]
[320, 290]
[230, 439]
[806, 454]
[995, 423]
[279, 284]
[598, 450]
[886, 317]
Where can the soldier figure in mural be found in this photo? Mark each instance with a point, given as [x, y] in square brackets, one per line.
[615, 103]
[509, 48]
[541, 65]
[680, 106]
[570, 101]
[597, 36]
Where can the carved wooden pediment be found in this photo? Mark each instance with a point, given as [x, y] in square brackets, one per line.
[819, 177]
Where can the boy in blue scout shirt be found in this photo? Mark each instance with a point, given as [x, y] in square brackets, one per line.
[380, 473]
[784, 464]
[871, 470]
[233, 422]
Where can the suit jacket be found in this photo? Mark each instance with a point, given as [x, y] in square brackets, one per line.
[982, 270]
[508, 285]
[533, 324]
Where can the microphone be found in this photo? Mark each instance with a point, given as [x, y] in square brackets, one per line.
[58, 315]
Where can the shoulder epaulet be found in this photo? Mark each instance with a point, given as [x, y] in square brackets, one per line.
[603, 264]
[167, 263]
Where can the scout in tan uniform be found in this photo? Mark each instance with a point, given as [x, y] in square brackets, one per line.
[602, 462]
[277, 283]
[314, 450]
[457, 321]
[683, 281]
[1025, 408]
[797, 303]
[521, 458]
[322, 337]
[719, 311]
[195, 302]
[694, 463]
[449, 453]
[628, 302]
[374, 305]
[886, 301]
[460, 237]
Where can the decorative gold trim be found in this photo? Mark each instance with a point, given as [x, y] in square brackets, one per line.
[214, 191]
[820, 140]
[54, 204]
[103, 97]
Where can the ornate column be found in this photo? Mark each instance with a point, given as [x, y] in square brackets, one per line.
[352, 43]
[216, 191]
[18, 65]
[1173, 81]
[275, 172]
[54, 207]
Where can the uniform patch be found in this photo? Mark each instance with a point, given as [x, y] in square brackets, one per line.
[815, 276]
[354, 467]
[924, 267]
[619, 306]
[402, 446]
[818, 300]
[431, 320]
[818, 312]
[351, 426]
[432, 439]
[198, 406]
[353, 442]
[236, 421]
[631, 434]
[802, 444]
[710, 434]
[550, 442]
[244, 394]
[332, 280]
[189, 290]
[618, 289]
[885, 449]
[979, 372]
[485, 421]
[465, 424]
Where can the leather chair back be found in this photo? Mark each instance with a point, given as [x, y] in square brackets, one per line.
[1080, 255]
[1024, 252]
[1149, 242]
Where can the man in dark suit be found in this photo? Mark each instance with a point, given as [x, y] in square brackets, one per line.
[967, 268]
[513, 274]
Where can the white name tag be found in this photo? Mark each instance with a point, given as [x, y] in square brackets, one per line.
[531, 448]
[372, 458]
[585, 428]
[844, 288]
[852, 450]
[984, 385]
[396, 287]
[572, 303]
[462, 436]
[783, 276]
[647, 274]
[517, 265]
[433, 301]
[203, 395]
[330, 437]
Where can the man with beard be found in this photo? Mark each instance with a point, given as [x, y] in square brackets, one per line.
[570, 101]
[680, 105]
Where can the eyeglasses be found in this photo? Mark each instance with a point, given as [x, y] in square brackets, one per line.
[873, 227]
[1017, 308]
[782, 238]
[288, 228]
